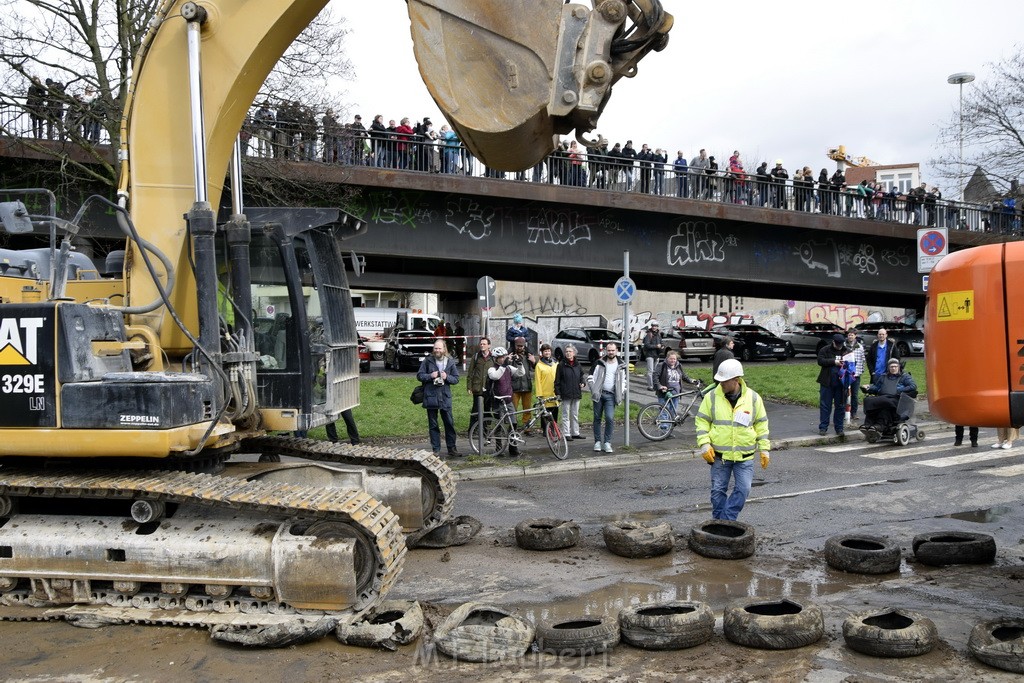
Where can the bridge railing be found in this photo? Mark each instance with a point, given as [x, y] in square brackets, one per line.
[595, 170]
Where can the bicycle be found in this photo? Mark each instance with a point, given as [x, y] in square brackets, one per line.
[657, 420]
[502, 431]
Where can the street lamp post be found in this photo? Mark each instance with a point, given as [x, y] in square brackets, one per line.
[959, 79]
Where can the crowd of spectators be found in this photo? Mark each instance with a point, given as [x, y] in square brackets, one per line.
[292, 131]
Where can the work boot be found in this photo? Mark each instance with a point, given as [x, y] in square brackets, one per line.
[959, 441]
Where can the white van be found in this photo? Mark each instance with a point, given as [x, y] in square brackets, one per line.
[375, 323]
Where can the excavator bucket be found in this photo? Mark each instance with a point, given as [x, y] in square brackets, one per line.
[512, 75]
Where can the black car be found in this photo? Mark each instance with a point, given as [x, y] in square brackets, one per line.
[908, 339]
[406, 349]
[809, 337]
[753, 342]
[588, 342]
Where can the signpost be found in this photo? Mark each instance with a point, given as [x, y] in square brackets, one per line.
[485, 289]
[625, 291]
[932, 245]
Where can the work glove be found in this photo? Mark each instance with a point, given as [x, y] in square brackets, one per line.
[765, 459]
[708, 454]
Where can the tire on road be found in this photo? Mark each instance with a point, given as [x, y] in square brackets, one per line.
[673, 625]
[999, 643]
[389, 624]
[580, 637]
[457, 531]
[773, 624]
[547, 534]
[862, 554]
[722, 539]
[941, 548]
[480, 632]
[638, 540]
[890, 632]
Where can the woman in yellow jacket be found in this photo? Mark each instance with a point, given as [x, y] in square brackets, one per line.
[732, 426]
[544, 379]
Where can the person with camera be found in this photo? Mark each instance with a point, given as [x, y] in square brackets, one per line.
[437, 373]
[500, 377]
[522, 383]
[652, 345]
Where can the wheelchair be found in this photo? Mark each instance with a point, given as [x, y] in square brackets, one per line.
[902, 430]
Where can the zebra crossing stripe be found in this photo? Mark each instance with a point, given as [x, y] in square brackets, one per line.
[1007, 471]
[968, 459]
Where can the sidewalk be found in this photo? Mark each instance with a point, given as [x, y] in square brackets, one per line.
[791, 426]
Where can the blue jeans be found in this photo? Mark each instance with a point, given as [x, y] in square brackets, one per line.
[832, 398]
[723, 507]
[604, 406]
[435, 432]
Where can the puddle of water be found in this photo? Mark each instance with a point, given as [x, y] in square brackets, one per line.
[982, 516]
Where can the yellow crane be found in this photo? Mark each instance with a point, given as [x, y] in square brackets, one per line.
[840, 156]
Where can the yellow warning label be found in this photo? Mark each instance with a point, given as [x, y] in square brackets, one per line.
[11, 356]
[955, 306]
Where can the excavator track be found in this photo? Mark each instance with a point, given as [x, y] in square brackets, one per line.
[436, 474]
[379, 528]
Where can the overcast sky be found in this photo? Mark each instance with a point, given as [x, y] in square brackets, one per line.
[774, 80]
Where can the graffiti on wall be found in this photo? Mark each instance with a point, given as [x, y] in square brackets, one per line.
[823, 255]
[696, 242]
[863, 258]
[469, 217]
[541, 305]
[550, 226]
[844, 316]
[709, 320]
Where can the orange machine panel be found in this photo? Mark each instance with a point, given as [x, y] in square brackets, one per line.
[974, 336]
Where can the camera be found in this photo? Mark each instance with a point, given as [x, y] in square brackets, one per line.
[438, 381]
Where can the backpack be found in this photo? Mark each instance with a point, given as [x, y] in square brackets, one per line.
[417, 394]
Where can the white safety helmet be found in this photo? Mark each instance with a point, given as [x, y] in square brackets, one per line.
[729, 369]
[499, 351]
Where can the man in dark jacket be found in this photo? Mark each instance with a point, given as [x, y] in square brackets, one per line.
[881, 350]
[881, 406]
[652, 344]
[832, 393]
[476, 379]
[437, 373]
[646, 159]
[628, 157]
[724, 352]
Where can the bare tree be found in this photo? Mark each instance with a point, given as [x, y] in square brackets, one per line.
[993, 127]
[85, 49]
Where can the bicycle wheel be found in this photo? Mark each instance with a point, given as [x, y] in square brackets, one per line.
[556, 440]
[495, 437]
[655, 421]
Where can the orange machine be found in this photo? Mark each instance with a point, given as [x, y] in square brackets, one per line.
[975, 337]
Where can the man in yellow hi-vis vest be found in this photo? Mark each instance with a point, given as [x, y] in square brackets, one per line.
[732, 426]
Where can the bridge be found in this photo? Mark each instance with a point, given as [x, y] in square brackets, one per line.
[440, 232]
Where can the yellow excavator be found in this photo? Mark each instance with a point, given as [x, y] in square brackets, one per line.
[125, 402]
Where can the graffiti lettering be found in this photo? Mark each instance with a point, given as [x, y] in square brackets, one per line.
[551, 305]
[695, 242]
[823, 255]
[844, 316]
[714, 302]
[897, 258]
[469, 218]
[708, 320]
[766, 253]
[863, 259]
[556, 227]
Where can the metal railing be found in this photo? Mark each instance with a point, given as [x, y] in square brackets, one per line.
[586, 169]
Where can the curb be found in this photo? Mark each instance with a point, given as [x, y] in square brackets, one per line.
[585, 464]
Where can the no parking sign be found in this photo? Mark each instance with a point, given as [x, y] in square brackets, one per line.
[932, 245]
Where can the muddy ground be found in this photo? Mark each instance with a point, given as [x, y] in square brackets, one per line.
[586, 580]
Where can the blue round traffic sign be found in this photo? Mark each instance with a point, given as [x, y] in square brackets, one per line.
[625, 290]
[933, 242]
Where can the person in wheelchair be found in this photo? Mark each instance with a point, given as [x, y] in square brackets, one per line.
[880, 407]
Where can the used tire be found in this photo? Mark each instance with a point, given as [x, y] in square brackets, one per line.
[942, 548]
[547, 534]
[389, 624]
[890, 633]
[638, 540]
[999, 643]
[479, 632]
[457, 531]
[579, 637]
[862, 554]
[722, 539]
[773, 624]
[667, 625]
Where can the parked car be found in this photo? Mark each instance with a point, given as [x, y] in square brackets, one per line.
[908, 339]
[364, 355]
[588, 342]
[753, 342]
[691, 342]
[809, 337]
[405, 349]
